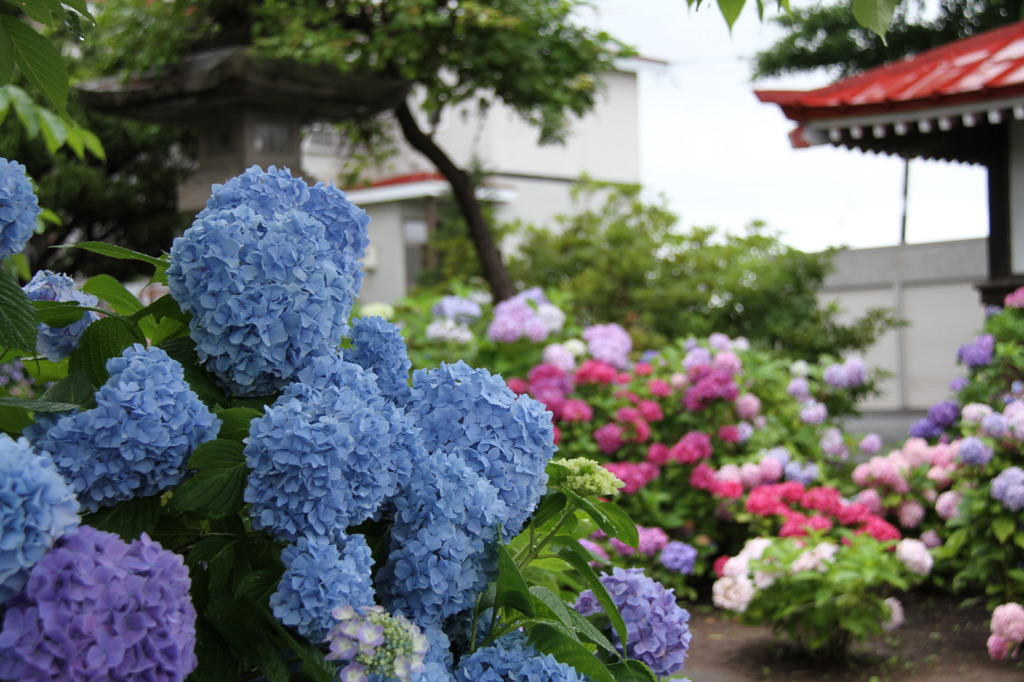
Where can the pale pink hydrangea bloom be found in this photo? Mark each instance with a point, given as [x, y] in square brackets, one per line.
[914, 555]
[771, 469]
[870, 498]
[896, 616]
[729, 472]
[910, 513]
[931, 539]
[750, 475]
[816, 558]
[728, 361]
[1008, 622]
[946, 504]
[997, 647]
[975, 413]
[736, 567]
[733, 594]
[748, 405]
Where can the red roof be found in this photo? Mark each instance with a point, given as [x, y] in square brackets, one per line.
[976, 70]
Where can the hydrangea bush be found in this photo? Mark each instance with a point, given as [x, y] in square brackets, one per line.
[240, 481]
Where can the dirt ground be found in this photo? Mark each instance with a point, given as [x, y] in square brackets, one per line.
[940, 641]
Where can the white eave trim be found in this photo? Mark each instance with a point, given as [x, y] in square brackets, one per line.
[421, 190]
[938, 118]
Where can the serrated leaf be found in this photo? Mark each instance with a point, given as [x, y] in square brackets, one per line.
[40, 62]
[26, 109]
[36, 405]
[217, 552]
[6, 66]
[163, 307]
[571, 618]
[80, 7]
[511, 587]
[119, 252]
[183, 350]
[632, 671]
[58, 313]
[576, 556]
[216, 661]
[215, 491]
[552, 639]
[47, 12]
[74, 389]
[550, 506]
[103, 339]
[609, 518]
[875, 15]
[128, 519]
[1003, 527]
[731, 10]
[106, 288]
[13, 420]
[18, 318]
[236, 421]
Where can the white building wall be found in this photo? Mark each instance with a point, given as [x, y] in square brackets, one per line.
[385, 262]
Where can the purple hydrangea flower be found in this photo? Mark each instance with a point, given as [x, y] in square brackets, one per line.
[805, 473]
[508, 438]
[457, 308]
[609, 343]
[679, 556]
[813, 412]
[925, 428]
[528, 315]
[512, 658]
[374, 644]
[973, 451]
[695, 357]
[19, 208]
[95, 608]
[267, 280]
[978, 353]
[37, 507]
[318, 578]
[330, 437]
[1008, 488]
[56, 343]
[657, 629]
[944, 414]
[870, 444]
[799, 389]
[958, 384]
[995, 425]
[137, 440]
[377, 345]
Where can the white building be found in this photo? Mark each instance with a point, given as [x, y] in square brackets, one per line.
[525, 181]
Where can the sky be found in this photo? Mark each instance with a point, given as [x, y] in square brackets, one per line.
[723, 158]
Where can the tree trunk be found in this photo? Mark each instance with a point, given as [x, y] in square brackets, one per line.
[465, 196]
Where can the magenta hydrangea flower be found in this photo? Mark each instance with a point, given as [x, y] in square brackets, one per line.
[96, 608]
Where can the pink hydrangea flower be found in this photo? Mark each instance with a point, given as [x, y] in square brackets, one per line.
[1014, 299]
[1008, 622]
[609, 438]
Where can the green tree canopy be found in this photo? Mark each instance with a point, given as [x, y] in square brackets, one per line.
[829, 37]
[625, 260]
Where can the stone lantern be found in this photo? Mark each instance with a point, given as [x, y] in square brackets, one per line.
[246, 109]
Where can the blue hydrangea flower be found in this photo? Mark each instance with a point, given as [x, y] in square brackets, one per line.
[1008, 488]
[679, 557]
[19, 208]
[37, 507]
[513, 659]
[275, 191]
[444, 526]
[265, 295]
[801, 472]
[95, 608]
[318, 578]
[457, 308]
[377, 345]
[56, 343]
[657, 629]
[137, 440]
[331, 438]
[973, 451]
[509, 438]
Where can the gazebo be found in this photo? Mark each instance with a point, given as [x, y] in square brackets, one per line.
[959, 102]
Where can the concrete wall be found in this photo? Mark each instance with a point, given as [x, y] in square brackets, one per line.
[932, 287]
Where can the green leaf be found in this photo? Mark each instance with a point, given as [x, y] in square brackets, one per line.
[511, 587]
[36, 405]
[875, 15]
[182, 349]
[47, 12]
[577, 557]
[632, 671]
[58, 313]
[55, 131]
[236, 422]
[73, 389]
[551, 505]
[6, 68]
[128, 519]
[215, 491]
[572, 619]
[163, 307]
[218, 553]
[553, 639]
[106, 288]
[1003, 527]
[18, 318]
[13, 420]
[609, 517]
[103, 339]
[731, 10]
[39, 60]
[119, 252]
[79, 6]
[216, 661]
